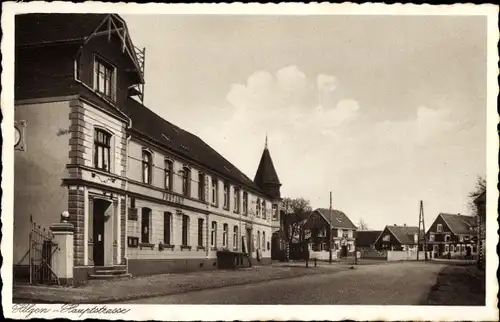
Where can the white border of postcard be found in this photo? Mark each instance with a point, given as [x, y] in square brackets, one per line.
[250, 312]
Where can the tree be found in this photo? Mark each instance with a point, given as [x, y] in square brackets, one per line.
[478, 190]
[296, 211]
[362, 225]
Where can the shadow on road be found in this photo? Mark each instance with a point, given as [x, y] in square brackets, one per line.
[458, 285]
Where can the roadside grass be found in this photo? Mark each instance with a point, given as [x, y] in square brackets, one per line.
[458, 285]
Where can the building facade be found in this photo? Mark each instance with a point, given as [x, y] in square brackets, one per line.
[142, 194]
[453, 236]
[321, 223]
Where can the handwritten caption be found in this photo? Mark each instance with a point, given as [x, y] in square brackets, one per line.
[33, 309]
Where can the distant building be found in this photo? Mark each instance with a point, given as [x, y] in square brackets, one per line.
[365, 239]
[398, 238]
[453, 236]
[481, 224]
[321, 222]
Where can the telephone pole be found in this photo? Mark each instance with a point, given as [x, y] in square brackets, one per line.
[330, 228]
[421, 224]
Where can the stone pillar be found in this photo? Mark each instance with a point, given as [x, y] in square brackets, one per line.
[63, 257]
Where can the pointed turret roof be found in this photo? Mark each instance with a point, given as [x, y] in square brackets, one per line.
[266, 173]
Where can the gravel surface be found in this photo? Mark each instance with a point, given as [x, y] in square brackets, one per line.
[158, 285]
[400, 283]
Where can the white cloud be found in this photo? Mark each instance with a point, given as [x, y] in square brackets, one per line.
[326, 83]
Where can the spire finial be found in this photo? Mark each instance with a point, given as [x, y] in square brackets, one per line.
[265, 146]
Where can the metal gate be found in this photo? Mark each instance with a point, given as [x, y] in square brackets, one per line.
[41, 251]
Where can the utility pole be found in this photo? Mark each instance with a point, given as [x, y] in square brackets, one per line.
[421, 224]
[330, 228]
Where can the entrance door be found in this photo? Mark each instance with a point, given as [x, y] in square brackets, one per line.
[344, 251]
[100, 207]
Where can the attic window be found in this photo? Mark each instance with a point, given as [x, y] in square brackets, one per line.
[104, 78]
[165, 137]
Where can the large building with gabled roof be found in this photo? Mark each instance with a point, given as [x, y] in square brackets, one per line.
[144, 196]
[453, 236]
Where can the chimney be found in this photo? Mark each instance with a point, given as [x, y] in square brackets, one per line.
[404, 225]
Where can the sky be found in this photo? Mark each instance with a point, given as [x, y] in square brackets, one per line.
[383, 111]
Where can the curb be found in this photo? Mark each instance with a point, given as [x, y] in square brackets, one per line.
[29, 299]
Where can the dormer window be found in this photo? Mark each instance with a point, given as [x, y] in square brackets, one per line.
[104, 78]
[102, 150]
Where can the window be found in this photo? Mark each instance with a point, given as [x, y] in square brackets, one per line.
[168, 174]
[226, 196]
[446, 249]
[263, 209]
[258, 238]
[214, 191]
[145, 220]
[435, 248]
[213, 235]
[439, 228]
[264, 239]
[104, 78]
[340, 233]
[147, 163]
[225, 235]
[236, 201]
[201, 186]
[167, 226]
[275, 212]
[245, 203]
[447, 238]
[186, 180]
[431, 237]
[257, 208]
[185, 230]
[102, 150]
[200, 231]
[461, 238]
[386, 238]
[235, 237]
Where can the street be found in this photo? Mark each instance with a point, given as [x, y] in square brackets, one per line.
[403, 283]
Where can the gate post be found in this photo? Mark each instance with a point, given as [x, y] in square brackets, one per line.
[63, 256]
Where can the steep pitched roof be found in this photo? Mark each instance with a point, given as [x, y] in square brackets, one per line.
[188, 145]
[266, 173]
[338, 218]
[459, 224]
[36, 28]
[46, 28]
[405, 234]
[366, 237]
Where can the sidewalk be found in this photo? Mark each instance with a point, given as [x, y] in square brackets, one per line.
[97, 291]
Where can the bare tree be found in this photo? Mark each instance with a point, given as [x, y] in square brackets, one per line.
[296, 211]
[478, 190]
[362, 225]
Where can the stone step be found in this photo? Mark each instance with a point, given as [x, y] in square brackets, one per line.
[109, 276]
[110, 271]
[115, 267]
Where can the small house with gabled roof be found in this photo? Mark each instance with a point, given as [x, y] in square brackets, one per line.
[398, 238]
